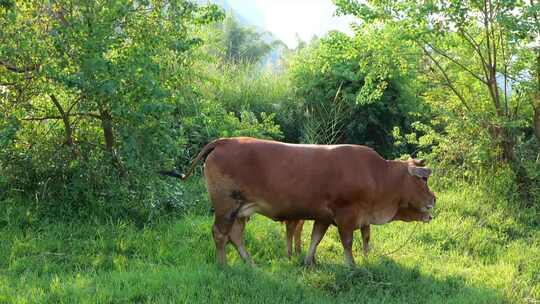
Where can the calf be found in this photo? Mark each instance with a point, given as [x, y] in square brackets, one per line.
[294, 228]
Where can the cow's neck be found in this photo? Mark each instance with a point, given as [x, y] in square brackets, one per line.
[392, 194]
[395, 181]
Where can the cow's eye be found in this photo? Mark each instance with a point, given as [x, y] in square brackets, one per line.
[424, 178]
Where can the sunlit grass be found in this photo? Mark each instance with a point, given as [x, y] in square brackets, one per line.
[474, 251]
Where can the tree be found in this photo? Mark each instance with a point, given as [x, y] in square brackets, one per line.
[90, 96]
[243, 44]
[530, 29]
[113, 63]
[470, 45]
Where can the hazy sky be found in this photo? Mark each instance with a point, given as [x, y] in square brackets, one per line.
[286, 18]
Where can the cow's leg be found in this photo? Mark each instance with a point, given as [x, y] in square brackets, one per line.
[319, 229]
[225, 212]
[346, 236]
[220, 231]
[237, 238]
[290, 227]
[298, 237]
[366, 231]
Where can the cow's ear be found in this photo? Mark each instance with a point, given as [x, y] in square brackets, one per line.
[419, 171]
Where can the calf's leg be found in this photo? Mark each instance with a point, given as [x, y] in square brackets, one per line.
[319, 229]
[294, 234]
[298, 237]
[366, 231]
[290, 227]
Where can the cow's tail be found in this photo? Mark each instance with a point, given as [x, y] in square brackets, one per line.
[202, 155]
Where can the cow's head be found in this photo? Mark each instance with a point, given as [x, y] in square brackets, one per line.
[417, 192]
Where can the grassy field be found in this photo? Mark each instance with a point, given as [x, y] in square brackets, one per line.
[476, 250]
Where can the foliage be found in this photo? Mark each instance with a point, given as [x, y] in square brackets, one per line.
[475, 52]
[206, 121]
[244, 87]
[361, 84]
[94, 97]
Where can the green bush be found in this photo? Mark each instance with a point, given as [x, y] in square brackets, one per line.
[361, 86]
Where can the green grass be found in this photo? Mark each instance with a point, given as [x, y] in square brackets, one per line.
[475, 251]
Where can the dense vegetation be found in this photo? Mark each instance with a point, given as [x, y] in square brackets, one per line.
[96, 96]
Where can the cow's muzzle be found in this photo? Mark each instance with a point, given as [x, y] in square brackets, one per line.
[427, 218]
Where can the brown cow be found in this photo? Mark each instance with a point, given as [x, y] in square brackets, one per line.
[349, 185]
[294, 228]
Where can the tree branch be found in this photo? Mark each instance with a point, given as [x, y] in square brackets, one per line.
[505, 73]
[440, 52]
[447, 78]
[82, 114]
[57, 104]
[486, 29]
[87, 114]
[476, 46]
[41, 118]
[74, 103]
[15, 69]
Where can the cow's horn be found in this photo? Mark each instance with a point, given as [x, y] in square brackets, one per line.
[420, 162]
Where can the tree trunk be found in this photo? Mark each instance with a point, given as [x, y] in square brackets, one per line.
[536, 103]
[536, 122]
[108, 134]
[508, 144]
[68, 129]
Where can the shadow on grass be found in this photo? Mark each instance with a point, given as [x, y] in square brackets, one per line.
[385, 281]
[377, 280]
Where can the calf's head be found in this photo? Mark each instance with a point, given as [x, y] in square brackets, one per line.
[410, 214]
[416, 190]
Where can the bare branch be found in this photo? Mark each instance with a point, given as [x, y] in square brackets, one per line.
[74, 103]
[57, 104]
[476, 46]
[486, 29]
